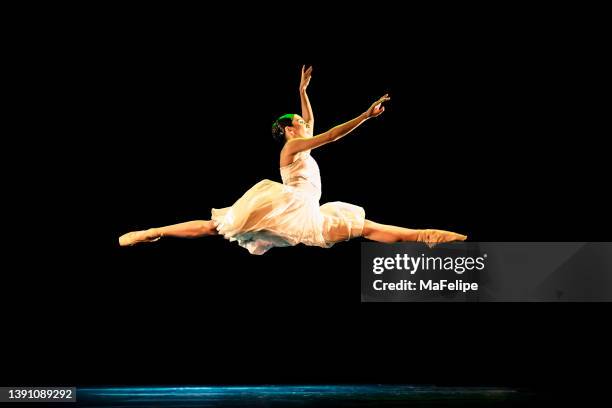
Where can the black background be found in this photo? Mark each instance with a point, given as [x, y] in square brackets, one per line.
[491, 131]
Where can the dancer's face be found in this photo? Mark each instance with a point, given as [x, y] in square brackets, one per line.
[300, 127]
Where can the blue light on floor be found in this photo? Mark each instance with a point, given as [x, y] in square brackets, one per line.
[293, 395]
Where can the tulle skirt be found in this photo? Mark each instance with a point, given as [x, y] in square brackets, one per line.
[272, 214]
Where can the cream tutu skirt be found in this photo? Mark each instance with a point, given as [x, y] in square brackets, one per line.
[272, 214]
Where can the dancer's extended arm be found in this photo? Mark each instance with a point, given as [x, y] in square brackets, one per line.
[306, 108]
[300, 144]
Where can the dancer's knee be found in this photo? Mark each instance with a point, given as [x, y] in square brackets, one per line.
[209, 228]
[202, 228]
[368, 228]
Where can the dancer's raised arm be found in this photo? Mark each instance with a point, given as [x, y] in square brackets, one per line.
[306, 108]
[299, 144]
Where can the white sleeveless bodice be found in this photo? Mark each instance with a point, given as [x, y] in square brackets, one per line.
[303, 174]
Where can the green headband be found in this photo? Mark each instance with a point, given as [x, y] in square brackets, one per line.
[287, 116]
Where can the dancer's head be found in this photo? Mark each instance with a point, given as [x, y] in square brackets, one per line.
[288, 127]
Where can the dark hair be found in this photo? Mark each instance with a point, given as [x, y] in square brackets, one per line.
[278, 127]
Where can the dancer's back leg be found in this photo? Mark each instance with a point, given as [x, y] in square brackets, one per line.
[190, 229]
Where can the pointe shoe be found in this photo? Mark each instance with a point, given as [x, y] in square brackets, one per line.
[433, 237]
[136, 237]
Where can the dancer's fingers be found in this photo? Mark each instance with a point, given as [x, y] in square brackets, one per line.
[383, 99]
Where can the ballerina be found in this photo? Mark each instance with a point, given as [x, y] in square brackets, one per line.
[271, 214]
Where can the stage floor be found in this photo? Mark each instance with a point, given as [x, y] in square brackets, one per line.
[303, 396]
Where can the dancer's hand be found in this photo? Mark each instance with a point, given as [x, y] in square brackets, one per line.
[306, 75]
[377, 108]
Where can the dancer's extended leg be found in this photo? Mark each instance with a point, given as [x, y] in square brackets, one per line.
[391, 233]
[190, 229]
